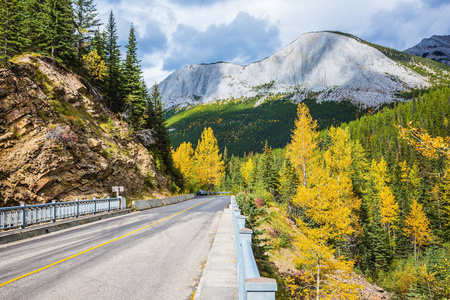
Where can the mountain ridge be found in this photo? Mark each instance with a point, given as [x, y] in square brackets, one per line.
[338, 66]
[436, 48]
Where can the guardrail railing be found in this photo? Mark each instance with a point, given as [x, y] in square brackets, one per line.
[24, 215]
[251, 285]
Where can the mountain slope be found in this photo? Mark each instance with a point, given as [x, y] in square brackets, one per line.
[336, 66]
[436, 48]
[57, 140]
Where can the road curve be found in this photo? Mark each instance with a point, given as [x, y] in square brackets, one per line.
[152, 254]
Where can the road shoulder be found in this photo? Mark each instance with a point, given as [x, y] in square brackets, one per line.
[219, 279]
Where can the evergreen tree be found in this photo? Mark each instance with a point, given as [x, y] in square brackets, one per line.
[288, 182]
[59, 26]
[86, 24]
[134, 92]
[112, 83]
[34, 23]
[12, 37]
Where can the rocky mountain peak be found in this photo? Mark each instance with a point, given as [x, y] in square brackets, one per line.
[334, 65]
[436, 48]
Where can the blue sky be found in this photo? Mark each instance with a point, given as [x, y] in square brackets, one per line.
[175, 33]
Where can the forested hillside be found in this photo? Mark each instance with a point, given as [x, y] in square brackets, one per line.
[243, 125]
[69, 34]
[369, 197]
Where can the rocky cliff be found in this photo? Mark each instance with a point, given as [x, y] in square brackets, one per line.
[336, 66]
[57, 140]
[436, 48]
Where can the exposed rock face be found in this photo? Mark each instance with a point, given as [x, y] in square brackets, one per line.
[58, 142]
[436, 48]
[338, 66]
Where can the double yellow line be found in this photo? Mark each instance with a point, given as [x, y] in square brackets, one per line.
[98, 246]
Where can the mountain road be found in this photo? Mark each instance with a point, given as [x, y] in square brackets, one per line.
[152, 254]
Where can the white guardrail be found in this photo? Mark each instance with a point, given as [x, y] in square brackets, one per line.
[251, 285]
[23, 215]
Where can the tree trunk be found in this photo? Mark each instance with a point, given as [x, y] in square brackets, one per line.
[318, 281]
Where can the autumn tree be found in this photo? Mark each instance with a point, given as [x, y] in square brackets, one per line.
[86, 23]
[417, 227]
[389, 211]
[246, 171]
[209, 165]
[302, 149]
[183, 158]
[94, 65]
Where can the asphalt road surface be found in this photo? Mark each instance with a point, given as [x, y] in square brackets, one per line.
[152, 254]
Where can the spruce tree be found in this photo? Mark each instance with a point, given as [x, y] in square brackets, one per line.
[112, 83]
[133, 90]
[86, 23]
[11, 29]
[34, 25]
[59, 26]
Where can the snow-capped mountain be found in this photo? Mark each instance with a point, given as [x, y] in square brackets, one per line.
[333, 64]
[436, 48]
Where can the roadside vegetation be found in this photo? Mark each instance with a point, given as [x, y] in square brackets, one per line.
[366, 199]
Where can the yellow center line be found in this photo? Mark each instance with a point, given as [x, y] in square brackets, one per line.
[98, 246]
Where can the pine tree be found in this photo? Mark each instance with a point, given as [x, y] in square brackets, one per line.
[34, 25]
[59, 25]
[12, 37]
[208, 160]
[112, 83]
[86, 23]
[134, 92]
[288, 182]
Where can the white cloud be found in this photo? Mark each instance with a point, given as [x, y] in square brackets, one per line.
[394, 23]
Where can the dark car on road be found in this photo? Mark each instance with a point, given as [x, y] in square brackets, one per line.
[202, 193]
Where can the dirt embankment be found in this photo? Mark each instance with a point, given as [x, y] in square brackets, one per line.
[57, 140]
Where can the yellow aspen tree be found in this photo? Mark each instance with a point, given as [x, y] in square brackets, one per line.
[417, 227]
[302, 149]
[246, 171]
[389, 211]
[209, 166]
[183, 158]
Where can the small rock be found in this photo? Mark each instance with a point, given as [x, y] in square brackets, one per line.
[34, 86]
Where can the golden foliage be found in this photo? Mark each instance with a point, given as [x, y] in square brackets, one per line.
[417, 226]
[209, 166]
[424, 143]
[246, 171]
[94, 65]
[302, 150]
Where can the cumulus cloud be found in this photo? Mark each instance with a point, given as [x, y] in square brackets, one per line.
[174, 33]
[244, 40]
[408, 23]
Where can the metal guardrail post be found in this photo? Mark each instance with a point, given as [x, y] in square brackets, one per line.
[251, 285]
[78, 206]
[54, 210]
[95, 206]
[23, 214]
[260, 288]
[109, 203]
